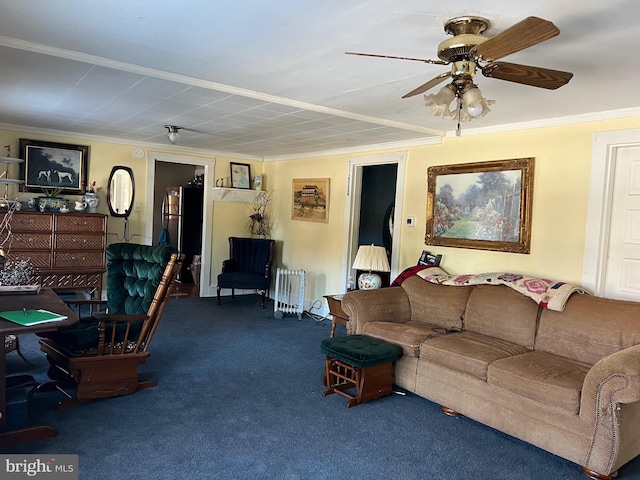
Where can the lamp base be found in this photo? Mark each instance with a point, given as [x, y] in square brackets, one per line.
[369, 281]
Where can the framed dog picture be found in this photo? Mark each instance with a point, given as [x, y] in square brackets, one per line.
[49, 165]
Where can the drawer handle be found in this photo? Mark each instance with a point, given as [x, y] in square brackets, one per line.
[80, 240]
[81, 258]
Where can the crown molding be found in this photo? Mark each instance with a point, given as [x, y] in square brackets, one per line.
[552, 122]
[119, 141]
[421, 142]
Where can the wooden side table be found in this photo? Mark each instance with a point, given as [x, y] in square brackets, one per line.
[335, 309]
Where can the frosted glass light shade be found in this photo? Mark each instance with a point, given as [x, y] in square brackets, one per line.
[173, 132]
[439, 103]
[472, 100]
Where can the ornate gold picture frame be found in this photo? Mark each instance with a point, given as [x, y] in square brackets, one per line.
[485, 205]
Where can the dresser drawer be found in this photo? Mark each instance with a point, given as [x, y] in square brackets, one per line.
[38, 259]
[66, 222]
[78, 260]
[70, 280]
[29, 222]
[31, 241]
[73, 241]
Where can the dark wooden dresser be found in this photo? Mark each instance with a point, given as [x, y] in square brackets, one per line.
[66, 249]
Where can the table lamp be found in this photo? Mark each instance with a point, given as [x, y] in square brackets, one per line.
[371, 258]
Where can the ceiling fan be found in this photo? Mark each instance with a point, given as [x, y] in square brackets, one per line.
[467, 51]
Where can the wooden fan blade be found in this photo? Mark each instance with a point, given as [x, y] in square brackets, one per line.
[426, 86]
[527, 75]
[524, 34]
[423, 60]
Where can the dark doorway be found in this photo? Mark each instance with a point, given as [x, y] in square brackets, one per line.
[377, 203]
[171, 177]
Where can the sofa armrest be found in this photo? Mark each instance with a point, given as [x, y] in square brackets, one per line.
[382, 305]
[610, 395]
[612, 380]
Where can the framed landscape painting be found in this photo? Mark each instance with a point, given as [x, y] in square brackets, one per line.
[485, 205]
[310, 201]
[50, 165]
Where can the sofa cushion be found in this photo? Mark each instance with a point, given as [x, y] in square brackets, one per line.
[501, 312]
[590, 328]
[409, 335]
[439, 305]
[542, 377]
[468, 352]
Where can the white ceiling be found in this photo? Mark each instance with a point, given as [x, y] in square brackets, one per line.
[269, 79]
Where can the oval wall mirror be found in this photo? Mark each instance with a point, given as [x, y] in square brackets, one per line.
[120, 191]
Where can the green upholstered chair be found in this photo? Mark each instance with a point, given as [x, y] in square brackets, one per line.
[248, 267]
[99, 356]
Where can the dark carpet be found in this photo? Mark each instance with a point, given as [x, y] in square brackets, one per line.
[239, 397]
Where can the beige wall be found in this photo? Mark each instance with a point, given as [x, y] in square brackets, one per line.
[561, 187]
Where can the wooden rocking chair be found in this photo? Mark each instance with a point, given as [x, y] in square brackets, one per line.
[99, 356]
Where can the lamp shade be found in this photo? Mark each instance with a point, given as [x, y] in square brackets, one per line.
[371, 258]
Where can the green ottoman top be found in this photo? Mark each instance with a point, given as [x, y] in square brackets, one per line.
[360, 351]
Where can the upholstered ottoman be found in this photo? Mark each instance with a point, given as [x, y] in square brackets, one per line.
[361, 362]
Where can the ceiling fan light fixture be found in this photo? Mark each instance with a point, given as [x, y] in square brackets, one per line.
[439, 103]
[173, 132]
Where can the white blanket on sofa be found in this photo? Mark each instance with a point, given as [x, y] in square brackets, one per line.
[547, 293]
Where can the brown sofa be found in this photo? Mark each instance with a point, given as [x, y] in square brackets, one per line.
[567, 382]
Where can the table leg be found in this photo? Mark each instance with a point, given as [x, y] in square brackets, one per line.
[3, 393]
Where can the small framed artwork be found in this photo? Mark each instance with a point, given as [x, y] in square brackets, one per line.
[485, 205]
[49, 165]
[240, 175]
[310, 201]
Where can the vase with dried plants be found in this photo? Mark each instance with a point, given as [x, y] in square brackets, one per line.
[259, 225]
[19, 275]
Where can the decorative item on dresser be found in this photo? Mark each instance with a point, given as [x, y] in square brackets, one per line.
[66, 249]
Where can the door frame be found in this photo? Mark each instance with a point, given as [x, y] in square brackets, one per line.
[605, 146]
[206, 288]
[352, 212]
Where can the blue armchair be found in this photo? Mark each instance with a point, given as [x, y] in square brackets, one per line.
[248, 267]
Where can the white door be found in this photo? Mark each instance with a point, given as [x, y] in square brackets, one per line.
[622, 278]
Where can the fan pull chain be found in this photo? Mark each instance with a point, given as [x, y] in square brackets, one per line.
[458, 128]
